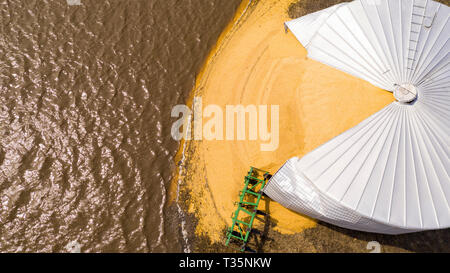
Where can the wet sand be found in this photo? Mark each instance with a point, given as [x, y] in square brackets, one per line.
[256, 62]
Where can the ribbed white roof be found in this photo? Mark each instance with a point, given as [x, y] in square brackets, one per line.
[393, 168]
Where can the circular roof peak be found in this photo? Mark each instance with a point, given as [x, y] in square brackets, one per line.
[405, 92]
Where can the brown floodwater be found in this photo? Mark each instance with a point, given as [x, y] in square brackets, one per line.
[86, 92]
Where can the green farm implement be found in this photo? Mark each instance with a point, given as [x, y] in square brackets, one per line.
[247, 208]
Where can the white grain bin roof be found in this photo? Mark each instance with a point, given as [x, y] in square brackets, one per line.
[389, 174]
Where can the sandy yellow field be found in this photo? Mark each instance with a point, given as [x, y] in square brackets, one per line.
[256, 62]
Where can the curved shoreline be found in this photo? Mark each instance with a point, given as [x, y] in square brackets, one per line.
[255, 62]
